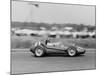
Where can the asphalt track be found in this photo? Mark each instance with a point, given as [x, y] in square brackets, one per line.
[23, 61]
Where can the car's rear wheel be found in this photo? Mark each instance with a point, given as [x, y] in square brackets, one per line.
[39, 52]
[71, 51]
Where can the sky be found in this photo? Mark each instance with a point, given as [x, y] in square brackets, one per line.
[52, 13]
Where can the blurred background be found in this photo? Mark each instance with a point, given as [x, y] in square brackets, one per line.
[32, 21]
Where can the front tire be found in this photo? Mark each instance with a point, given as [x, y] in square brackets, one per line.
[39, 52]
[72, 51]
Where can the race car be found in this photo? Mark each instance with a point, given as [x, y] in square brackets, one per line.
[40, 48]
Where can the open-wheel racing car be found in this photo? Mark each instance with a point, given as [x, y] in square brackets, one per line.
[40, 48]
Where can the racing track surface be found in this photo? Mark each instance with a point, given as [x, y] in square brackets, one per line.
[25, 62]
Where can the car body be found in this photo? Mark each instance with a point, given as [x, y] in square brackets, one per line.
[40, 48]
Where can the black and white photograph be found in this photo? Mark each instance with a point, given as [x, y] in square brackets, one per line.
[52, 37]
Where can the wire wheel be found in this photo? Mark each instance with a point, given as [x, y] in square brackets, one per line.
[72, 51]
[39, 52]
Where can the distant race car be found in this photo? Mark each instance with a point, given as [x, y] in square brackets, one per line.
[40, 48]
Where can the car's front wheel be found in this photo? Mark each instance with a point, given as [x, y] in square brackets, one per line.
[72, 51]
[39, 52]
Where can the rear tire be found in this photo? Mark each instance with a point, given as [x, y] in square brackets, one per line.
[72, 51]
[39, 52]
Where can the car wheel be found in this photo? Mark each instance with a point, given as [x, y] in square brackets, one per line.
[39, 52]
[71, 51]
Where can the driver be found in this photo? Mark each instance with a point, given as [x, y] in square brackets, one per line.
[47, 42]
